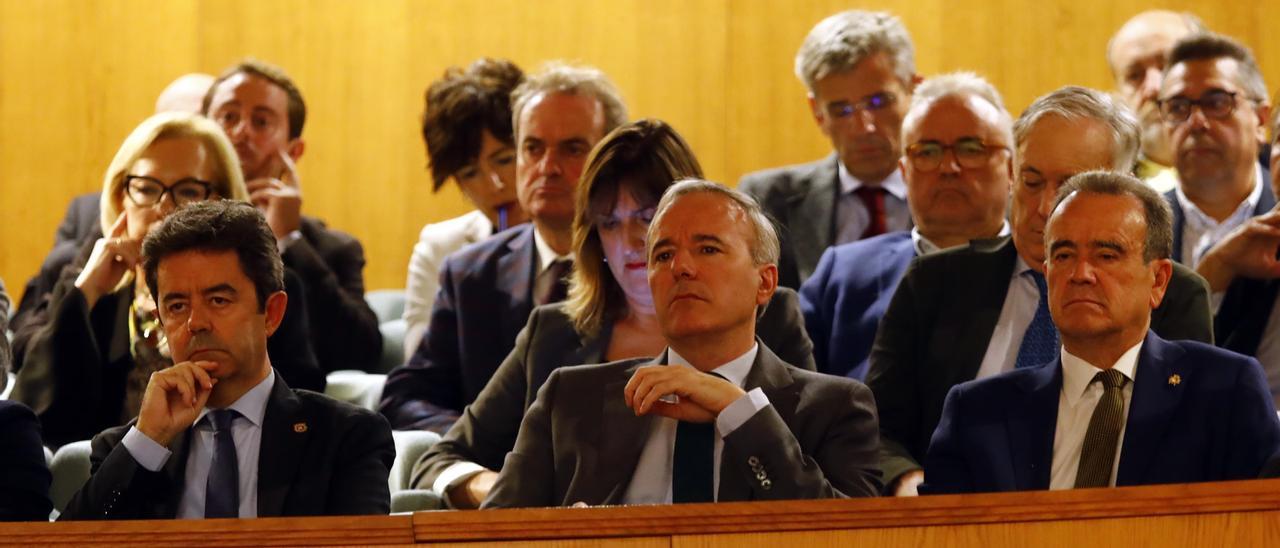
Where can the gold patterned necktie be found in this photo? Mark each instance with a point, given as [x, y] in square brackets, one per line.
[1099, 451]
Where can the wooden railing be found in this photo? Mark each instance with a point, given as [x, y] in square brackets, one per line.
[1222, 514]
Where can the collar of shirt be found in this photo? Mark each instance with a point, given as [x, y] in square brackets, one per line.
[924, 247]
[1077, 373]
[546, 255]
[1198, 220]
[734, 371]
[893, 183]
[252, 405]
[1020, 267]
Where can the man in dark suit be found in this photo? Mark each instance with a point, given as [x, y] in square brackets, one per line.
[958, 166]
[967, 313]
[24, 477]
[1121, 406]
[726, 420]
[859, 70]
[488, 289]
[263, 113]
[1215, 105]
[220, 434]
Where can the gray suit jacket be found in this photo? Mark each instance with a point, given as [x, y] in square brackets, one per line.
[801, 200]
[580, 442]
[487, 429]
[935, 333]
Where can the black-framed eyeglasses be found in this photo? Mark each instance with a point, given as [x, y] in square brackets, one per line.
[872, 103]
[1215, 103]
[970, 152]
[148, 191]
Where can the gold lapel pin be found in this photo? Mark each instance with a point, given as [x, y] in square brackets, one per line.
[301, 427]
[1175, 379]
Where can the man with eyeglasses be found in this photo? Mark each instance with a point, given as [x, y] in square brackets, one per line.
[958, 169]
[1214, 104]
[981, 310]
[859, 69]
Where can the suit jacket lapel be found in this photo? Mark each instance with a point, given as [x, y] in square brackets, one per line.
[769, 374]
[812, 217]
[622, 438]
[1031, 425]
[1178, 221]
[284, 442]
[983, 299]
[1151, 407]
[515, 281]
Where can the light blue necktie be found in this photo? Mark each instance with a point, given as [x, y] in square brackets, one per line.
[1040, 342]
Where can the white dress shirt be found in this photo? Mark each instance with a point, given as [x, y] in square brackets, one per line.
[651, 481]
[1020, 304]
[246, 430]
[1200, 231]
[924, 246]
[435, 242]
[1079, 397]
[853, 217]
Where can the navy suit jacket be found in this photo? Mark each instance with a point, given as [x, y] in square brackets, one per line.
[846, 297]
[24, 478]
[484, 299]
[1265, 202]
[1217, 423]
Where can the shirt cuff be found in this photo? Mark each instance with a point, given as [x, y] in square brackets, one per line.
[741, 411]
[453, 475]
[146, 451]
[284, 243]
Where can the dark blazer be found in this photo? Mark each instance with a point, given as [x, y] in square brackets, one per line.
[1244, 312]
[801, 200]
[487, 429]
[318, 457]
[78, 360]
[79, 223]
[846, 297]
[344, 329]
[24, 478]
[1265, 202]
[1218, 423]
[939, 323]
[579, 441]
[484, 299]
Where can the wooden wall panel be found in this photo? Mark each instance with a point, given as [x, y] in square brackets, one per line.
[77, 75]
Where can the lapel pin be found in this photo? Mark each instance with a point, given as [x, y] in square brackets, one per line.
[1175, 379]
[301, 427]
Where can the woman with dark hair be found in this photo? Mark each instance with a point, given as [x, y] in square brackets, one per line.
[467, 129]
[608, 316]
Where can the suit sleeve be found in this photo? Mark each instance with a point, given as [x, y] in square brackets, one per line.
[426, 392]
[813, 306]
[771, 461]
[344, 329]
[945, 468]
[528, 475]
[24, 478]
[1184, 314]
[487, 429]
[893, 377]
[1255, 429]
[781, 327]
[290, 345]
[359, 483]
[118, 487]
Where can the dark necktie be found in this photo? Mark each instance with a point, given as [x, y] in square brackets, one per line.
[1099, 451]
[1040, 341]
[873, 198]
[222, 492]
[552, 285]
[693, 461]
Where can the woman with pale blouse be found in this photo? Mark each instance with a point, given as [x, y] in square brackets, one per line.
[608, 316]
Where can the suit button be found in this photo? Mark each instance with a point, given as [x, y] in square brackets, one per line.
[754, 462]
[766, 485]
[760, 475]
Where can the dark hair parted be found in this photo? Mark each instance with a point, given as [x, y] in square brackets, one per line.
[1210, 45]
[217, 226]
[1158, 216]
[297, 109]
[461, 106]
[642, 158]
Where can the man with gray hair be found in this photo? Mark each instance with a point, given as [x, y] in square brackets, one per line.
[958, 167]
[936, 334]
[488, 289]
[1136, 56]
[1215, 108]
[1121, 406]
[859, 70]
[715, 417]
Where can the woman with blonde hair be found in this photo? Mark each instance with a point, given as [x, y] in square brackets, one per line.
[90, 352]
[608, 316]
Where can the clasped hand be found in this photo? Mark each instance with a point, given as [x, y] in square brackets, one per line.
[700, 397]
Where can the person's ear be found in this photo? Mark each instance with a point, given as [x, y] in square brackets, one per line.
[768, 283]
[276, 304]
[295, 149]
[1162, 272]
